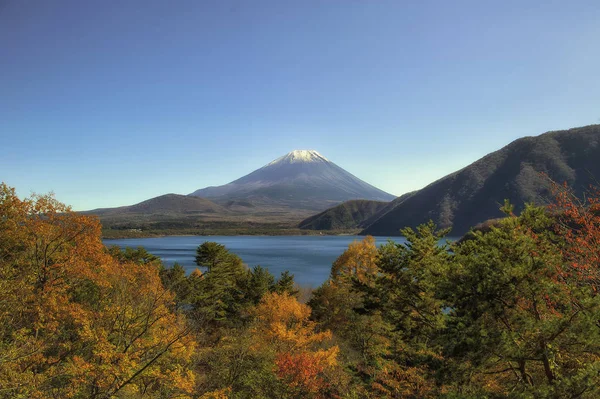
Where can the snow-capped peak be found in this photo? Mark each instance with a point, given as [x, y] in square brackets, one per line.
[300, 156]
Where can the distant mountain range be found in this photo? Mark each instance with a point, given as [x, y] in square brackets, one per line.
[302, 179]
[475, 193]
[305, 186]
[279, 194]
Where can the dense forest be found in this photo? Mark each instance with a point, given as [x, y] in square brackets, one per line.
[509, 311]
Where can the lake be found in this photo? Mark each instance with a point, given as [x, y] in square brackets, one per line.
[309, 258]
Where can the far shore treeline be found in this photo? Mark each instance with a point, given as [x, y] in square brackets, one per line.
[512, 310]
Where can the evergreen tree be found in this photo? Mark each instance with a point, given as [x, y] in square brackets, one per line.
[221, 293]
[519, 324]
[259, 283]
[210, 254]
[285, 284]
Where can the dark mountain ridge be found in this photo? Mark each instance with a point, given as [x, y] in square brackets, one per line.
[347, 215]
[520, 172]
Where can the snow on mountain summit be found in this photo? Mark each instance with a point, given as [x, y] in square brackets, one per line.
[301, 179]
[300, 156]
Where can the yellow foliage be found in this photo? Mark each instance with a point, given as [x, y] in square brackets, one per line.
[197, 273]
[284, 323]
[359, 260]
[301, 354]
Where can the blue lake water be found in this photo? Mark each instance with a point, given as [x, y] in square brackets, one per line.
[309, 258]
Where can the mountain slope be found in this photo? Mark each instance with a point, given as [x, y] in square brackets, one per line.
[475, 193]
[165, 204]
[347, 215]
[302, 179]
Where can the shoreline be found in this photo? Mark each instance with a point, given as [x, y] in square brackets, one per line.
[114, 234]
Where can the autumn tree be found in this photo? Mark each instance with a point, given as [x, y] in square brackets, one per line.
[336, 306]
[358, 261]
[75, 321]
[278, 354]
[579, 224]
[301, 356]
[334, 302]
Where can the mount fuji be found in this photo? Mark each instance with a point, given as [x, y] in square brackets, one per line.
[273, 198]
[301, 179]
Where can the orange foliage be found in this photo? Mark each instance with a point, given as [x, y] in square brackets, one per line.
[305, 370]
[75, 321]
[283, 324]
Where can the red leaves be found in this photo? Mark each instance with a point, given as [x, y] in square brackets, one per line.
[283, 324]
[302, 370]
[579, 225]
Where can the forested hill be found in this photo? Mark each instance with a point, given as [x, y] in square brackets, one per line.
[474, 194]
[165, 204]
[347, 215]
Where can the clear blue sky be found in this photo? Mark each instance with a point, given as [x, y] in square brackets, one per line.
[108, 103]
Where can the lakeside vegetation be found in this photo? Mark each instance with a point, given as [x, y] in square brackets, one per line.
[267, 230]
[137, 225]
[511, 312]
